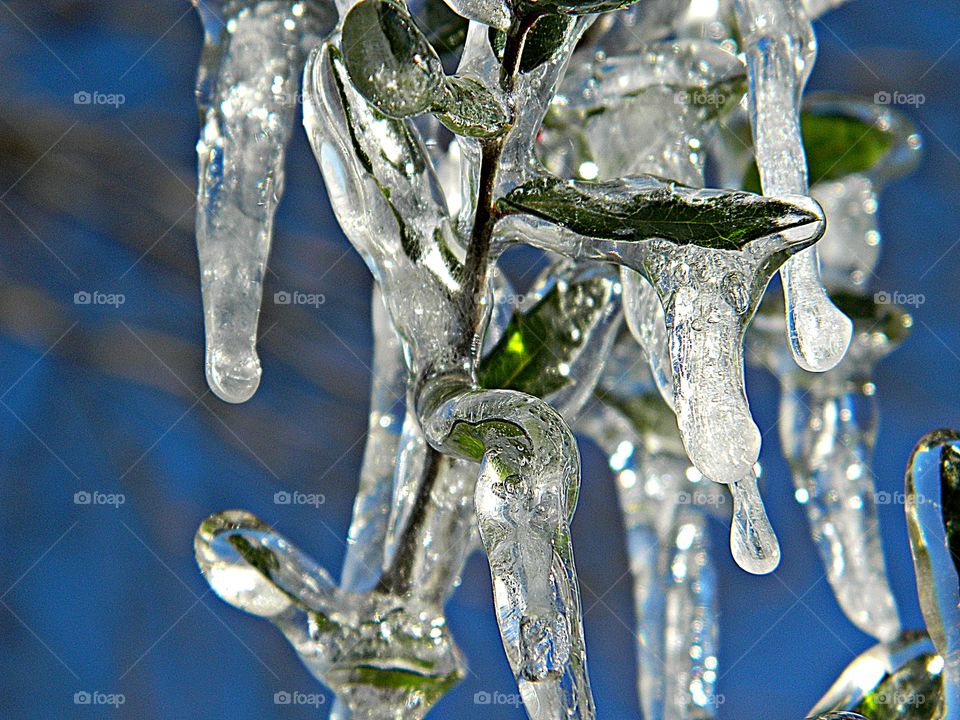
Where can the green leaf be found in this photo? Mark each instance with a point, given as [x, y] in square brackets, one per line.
[648, 414]
[837, 145]
[541, 44]
[634, 209]
[390, 61]
[472, 110]
[576, 7]
[537, 344]
[911, 691]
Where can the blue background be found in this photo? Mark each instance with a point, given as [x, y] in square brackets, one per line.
[97, 398]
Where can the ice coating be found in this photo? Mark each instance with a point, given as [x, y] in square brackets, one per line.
[387, 658]
[525, 497]
[363, 562]
[641, 131]
[524, 528]
[247, 94]
[887, 681]
[673, 583]
[827, 430]
[709, 296]
[932, 509]
[781, 49]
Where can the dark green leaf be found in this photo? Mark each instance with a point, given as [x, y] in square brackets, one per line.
[576, 7]
[543, 41]
[472, 110]
[634, 210]
[537, 343]
[445, 30]
[541, 44]
[390, 61]
[837, 145]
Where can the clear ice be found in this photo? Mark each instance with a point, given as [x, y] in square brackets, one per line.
[781, 48]
[597, 116]
[665, 505]
[247, 94]
[933, 508]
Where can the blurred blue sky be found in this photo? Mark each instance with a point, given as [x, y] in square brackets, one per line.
[111, 398]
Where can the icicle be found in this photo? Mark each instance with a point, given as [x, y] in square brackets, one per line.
[827, 430]
[664, 503]
[933, 521]
[247, 93]
[752, 541]
[363, 563]
[781, 49]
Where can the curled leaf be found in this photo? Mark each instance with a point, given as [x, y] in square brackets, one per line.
[390, 61]
[641, 208]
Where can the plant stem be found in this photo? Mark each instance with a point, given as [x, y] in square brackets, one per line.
[398, 578]
[477, 265]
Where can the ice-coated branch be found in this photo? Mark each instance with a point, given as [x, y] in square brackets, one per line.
[247, 94]
[781, 48]
[525, 498]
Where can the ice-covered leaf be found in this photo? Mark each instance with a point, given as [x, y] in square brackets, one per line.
[536, 349]
[625, 210]
[542, 42]
[837, 145]
[472, 110]
[390, 60]
[495, 13]
[575, 7]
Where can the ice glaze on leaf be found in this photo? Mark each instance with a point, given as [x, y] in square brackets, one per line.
[631, 210]
[837, 145]
[538, 346]
[575, 7]
[472, 110]
[389, 59]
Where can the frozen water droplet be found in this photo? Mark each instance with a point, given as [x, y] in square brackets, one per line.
[752, 540]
